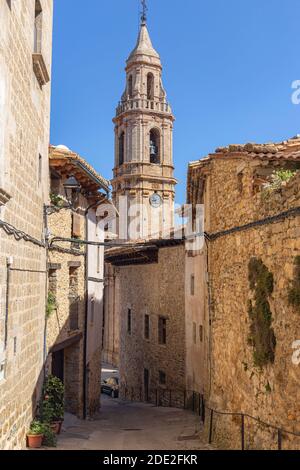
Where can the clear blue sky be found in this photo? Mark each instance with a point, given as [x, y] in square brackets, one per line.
[228, 70]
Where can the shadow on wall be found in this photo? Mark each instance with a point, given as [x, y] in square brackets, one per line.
[75, 360]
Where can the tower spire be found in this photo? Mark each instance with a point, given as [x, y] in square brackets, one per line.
[144, 12]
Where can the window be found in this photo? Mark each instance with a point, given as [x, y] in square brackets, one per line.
[130, 87]
[73, 299]
[121, 148]
[129, 321]
[192, 284]
[147, 327]
[162, 378]
[154, 145]
[201, 333]
[8, 4]
[150, 86]
[38, 24]
[195, 333]
[92, 310]
[162, 330]
[40, 168]
[2, 370]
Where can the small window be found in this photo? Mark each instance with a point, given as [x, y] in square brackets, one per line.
[150, 86]
[130, 87]
[121, 148]
[40, 169]
[8, 4]
[92, 310]
[2, 370]
[129, 321]
[147, 327]
[201, 333]
[38, 25]
[162, 330]
[194, 333]
[162, 378]
[192, 284]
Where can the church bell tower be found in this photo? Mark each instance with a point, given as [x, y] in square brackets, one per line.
[144, 172]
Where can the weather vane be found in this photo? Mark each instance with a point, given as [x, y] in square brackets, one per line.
[144, 11]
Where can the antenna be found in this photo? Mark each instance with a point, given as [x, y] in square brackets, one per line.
[144, 12]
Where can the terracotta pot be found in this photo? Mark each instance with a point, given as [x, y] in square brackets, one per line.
[34, 441]
[55, 426]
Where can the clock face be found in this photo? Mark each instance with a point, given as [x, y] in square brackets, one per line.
[155, 200]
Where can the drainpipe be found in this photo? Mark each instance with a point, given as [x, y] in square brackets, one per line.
[9, 263]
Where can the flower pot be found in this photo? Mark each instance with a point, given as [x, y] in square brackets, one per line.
[34, 441]
[55, 426]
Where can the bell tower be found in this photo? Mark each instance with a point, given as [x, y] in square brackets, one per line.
[144, 172]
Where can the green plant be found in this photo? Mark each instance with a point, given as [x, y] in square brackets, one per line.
[51, 304]
[277, 179]
[56, 200]
[294, 291]
[36, 428]
[262, 337]
[52, 403]
[50, 439]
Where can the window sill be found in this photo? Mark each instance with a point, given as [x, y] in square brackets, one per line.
[4, 197]
[40, 69]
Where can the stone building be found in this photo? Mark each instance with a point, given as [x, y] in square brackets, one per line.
[75, 302]
[144, 327]
[151, 312]
[25, 71]
[251, 196]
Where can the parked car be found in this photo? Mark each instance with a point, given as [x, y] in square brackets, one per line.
[110, 387]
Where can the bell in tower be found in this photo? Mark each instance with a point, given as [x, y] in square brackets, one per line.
[144, 170]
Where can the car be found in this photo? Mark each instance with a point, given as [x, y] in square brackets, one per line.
[110, 387]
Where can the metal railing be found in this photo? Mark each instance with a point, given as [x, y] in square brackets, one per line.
[195, 402]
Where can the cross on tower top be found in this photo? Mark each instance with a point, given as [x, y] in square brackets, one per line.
[144, 12]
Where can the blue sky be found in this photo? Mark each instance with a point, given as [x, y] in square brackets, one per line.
[228, 70]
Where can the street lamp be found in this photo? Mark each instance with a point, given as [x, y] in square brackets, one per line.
[72, 189]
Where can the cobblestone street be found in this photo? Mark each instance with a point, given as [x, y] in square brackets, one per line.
[133, 426]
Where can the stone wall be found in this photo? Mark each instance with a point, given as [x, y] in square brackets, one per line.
[156, 290]
[237, 385]
[24, 139]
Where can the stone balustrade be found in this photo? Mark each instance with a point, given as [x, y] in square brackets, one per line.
[143, 104]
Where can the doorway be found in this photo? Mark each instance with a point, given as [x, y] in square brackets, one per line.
[58, 359]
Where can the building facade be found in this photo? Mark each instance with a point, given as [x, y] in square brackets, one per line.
[251, 197]
[25, 71]
[151, 313]
[76, 272]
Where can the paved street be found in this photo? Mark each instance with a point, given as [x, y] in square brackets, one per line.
[133, 426]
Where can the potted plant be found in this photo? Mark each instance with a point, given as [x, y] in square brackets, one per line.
[35, 435]
[52, 405]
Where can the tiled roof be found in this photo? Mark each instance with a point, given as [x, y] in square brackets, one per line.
[286, 150]
[63, 153]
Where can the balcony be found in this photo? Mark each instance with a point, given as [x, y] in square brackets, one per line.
[40, 69]
[143, 105]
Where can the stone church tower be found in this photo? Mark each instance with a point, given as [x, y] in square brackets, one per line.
[143, 183]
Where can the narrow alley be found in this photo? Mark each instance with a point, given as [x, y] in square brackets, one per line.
[133, 426]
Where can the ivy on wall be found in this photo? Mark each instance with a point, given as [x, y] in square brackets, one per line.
[294, 291]
[262, 336]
